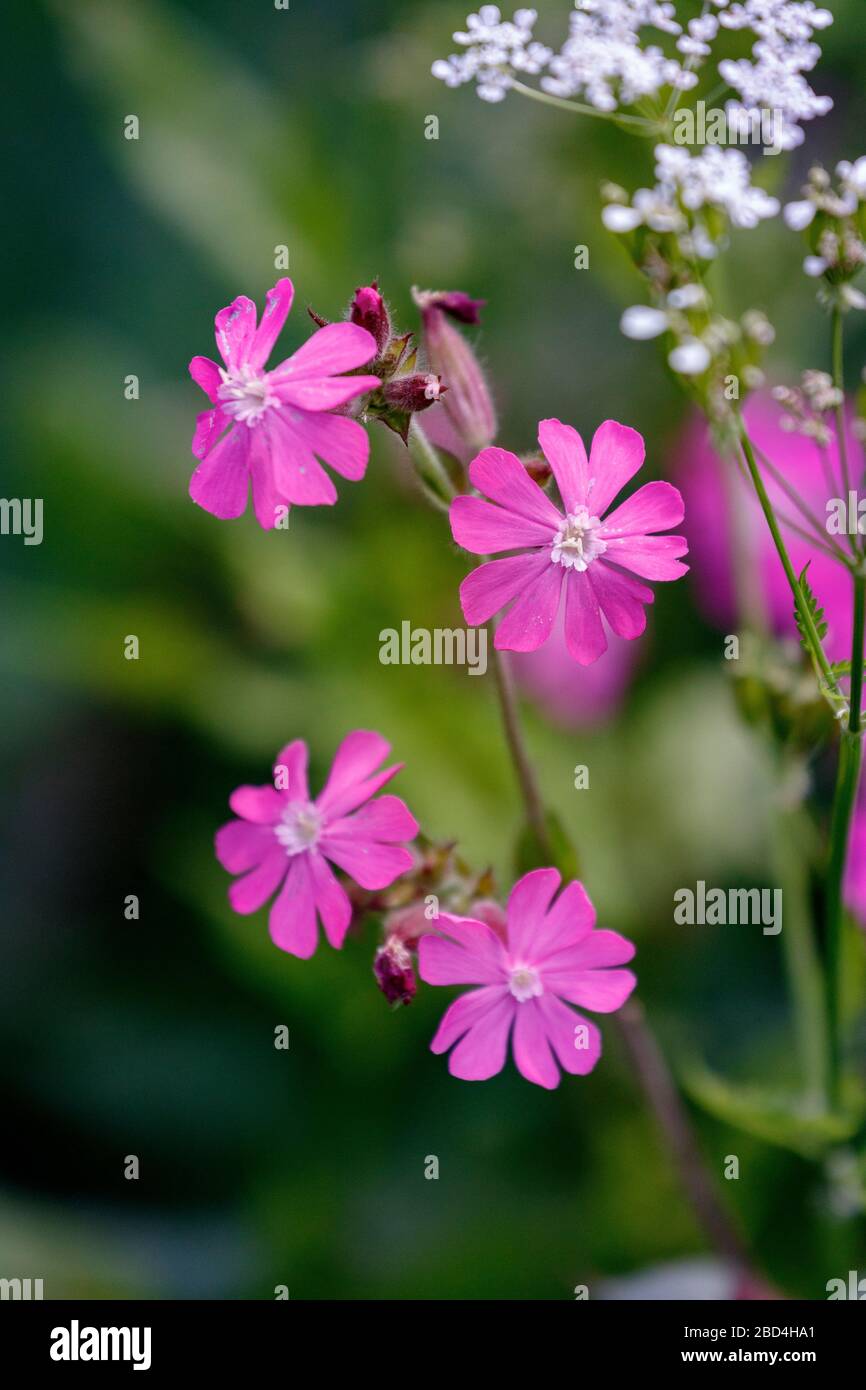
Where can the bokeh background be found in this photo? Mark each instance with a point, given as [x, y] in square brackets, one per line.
[155, 1037]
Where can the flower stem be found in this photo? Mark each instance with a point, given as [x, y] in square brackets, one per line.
[673, 1120]
[828, 683]
[581, 109]
[839, 383]
[517, 748]
[844, 799]
[438, 488]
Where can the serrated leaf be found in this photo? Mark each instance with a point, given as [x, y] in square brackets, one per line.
[816, 613]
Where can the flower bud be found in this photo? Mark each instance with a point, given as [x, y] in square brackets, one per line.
[368, 310]
[468, 406]
[392, 968]
[415, 392]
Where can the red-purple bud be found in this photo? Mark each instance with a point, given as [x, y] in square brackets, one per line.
[392, 968]
[413, 393]
[468, 408]
[369, 311]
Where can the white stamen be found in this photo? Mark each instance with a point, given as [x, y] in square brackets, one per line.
[299, 827]
[577, 542]
[525, 983]
[245, 394]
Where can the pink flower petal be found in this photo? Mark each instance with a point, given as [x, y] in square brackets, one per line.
[570, 919]
[261, 805]
[292, 920]
[240, 846]
[599, 990]
[359, 754]
[483, 529]
[590, 950]
[527, 905]
[584, 634]
[332, 900]
[339, 347]
[293, 758]
[502, 477]
[209, 425]
[564, 450]
[529, 623]
[268, 502]
[654, 507]
[622, 599]
[652, 557]
[481, 1051]
[323, 393]
[467, 1011]
[387, 818]
[221, 483]
[297, 473]
[369, 863]
[340, 442]
[468, 953]
[489, 587]
[206, 374]
[562, 1024]
[247, 894]
[616, 454]
[278, 302]
[531, 1049]
[235, 327]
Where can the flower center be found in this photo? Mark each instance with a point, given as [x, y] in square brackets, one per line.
[299, 827]
[577, 542]
[245, 394]
[525, 983]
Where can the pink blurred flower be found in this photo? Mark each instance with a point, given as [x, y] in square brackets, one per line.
[285, 841]
[576, 696]
[854, 887]
[725, 521]
[582, 551]
[269, 427]
[552, 957]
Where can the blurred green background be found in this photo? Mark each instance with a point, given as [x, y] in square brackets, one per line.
[155, 1037]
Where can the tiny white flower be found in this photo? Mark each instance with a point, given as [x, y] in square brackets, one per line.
[687, 297]
[814, 266]
[642, 322]
[799, 215]
[690, 357]
[855, 299]
[619, 218]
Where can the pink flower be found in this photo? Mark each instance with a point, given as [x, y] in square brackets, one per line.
[854, 887]
[580, 550]
[551, 957]
[271, 427]
[284, 840]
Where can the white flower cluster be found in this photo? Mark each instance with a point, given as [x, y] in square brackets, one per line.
[784, 51]
[717, 178]
[839, 247]
[495, 51]
[602, 59]
[605, 61]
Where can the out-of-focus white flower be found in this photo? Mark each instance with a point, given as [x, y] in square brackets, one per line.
[618, 218]
[690, 357]
[799, 215]
[688, 296]
[853, 177]
[642, 322]
[495, 49]
[814, 266]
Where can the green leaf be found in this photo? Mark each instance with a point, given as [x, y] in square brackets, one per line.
[816, 613]
[531, 854]
[777, 1117]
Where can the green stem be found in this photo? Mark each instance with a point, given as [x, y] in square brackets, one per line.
[438, 488]
[827, 681]
[526, 778]
[839, 383]
[844, 799]
[802, 962]
[580, 109]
